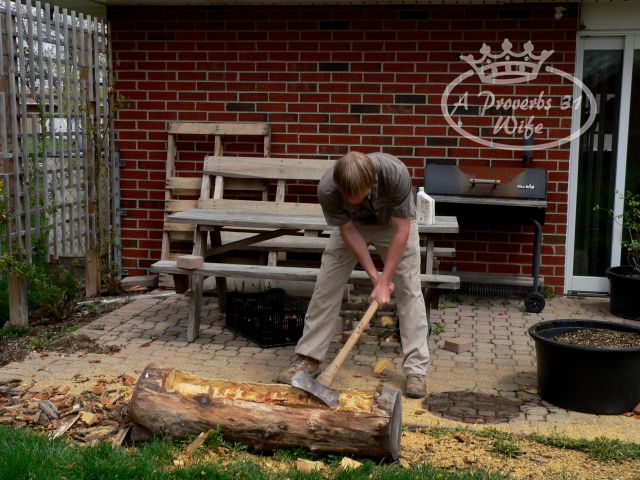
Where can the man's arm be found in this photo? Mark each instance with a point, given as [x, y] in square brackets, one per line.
[383, 286]
[359, 248]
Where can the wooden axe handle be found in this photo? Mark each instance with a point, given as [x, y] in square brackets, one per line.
[326, 377]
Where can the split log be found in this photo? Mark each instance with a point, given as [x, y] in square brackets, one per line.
[173, 403]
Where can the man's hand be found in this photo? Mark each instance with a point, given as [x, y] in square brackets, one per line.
[382, 291]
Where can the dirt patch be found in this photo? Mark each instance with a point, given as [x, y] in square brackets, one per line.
[44, 335]
[460, 451]
[599, 338]
[529, 460]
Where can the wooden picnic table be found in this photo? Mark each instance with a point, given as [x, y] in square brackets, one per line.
[270, 223]
[277, 224]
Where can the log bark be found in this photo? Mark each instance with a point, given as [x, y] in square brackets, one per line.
[268, 416]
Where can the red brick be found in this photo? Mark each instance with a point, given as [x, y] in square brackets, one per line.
[457, 345]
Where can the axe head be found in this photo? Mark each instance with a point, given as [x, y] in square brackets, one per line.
[302, 380]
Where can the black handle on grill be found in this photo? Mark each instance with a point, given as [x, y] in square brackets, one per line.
[484, 181]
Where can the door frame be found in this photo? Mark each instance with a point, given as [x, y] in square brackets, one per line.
[629, 41]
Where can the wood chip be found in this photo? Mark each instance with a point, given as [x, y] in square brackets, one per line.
[94, 435]
[127, 380]
[89, 418]
[65, 425]
[98, 389]
[387, 321]
[380, 366]
[49, 409]
[193, 446]
[120, 436]
[348, 464]
[183, 459]
[307, 466]
[461, 437]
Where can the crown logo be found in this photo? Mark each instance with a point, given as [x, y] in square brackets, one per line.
[507, 67]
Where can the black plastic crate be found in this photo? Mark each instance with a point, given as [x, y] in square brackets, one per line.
[270, 318]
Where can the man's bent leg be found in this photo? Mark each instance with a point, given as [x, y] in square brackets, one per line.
[322, 322]
[414, 327]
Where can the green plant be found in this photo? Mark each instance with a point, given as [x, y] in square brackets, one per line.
[13, 332]
[438, 328]
[505, 448]
[51, 290]
[630, 221]
[547, 292]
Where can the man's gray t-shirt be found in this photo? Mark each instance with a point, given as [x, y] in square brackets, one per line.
[391, 195]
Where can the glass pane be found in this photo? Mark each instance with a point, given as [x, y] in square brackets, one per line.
[597, 163]
[632, 180]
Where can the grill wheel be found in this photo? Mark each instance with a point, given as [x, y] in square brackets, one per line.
[534, 303]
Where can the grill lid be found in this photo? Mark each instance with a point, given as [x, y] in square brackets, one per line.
[528, 184]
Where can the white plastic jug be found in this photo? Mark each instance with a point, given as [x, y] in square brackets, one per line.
[425, 207]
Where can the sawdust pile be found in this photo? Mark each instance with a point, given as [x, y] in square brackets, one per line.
[532, 460]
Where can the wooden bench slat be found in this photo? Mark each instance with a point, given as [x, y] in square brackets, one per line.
[288, 273]
[298, 243]
[258, 206]
[270, 168]
[208, 128]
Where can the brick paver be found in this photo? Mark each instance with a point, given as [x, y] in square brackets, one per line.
[493, 384]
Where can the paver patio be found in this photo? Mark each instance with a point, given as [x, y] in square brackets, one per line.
[492, 384]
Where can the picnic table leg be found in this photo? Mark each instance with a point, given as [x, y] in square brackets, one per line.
[429, 296]
[193, 322]
[196, 281]
[221, 282]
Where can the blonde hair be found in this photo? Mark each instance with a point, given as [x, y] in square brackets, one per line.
[354, 173]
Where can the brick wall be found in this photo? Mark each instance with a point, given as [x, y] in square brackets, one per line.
[330, 79]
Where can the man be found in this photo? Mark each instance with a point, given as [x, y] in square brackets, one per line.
[369, 198]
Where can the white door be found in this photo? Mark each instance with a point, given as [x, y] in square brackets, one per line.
[605, 160]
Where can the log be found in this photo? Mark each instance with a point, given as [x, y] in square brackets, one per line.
[267, 417]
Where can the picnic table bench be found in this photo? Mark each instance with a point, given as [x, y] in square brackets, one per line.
[229, 224]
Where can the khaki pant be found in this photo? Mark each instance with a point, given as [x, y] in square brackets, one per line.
[322, 320]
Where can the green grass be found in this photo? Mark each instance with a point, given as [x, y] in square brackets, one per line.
[505, 444]
[13, 332]
[27, 455]
[45, 340]
[505, 448]
[601, 448]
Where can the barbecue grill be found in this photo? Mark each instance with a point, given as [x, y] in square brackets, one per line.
[481, 195]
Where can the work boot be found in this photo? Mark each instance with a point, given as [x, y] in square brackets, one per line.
[301, 362]
[416, 386]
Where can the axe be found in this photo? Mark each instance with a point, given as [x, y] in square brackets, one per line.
[320, 387]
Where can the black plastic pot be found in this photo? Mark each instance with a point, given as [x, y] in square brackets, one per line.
[584, 378]
[624, 292]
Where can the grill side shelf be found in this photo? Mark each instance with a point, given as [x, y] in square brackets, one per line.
[509, 202]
